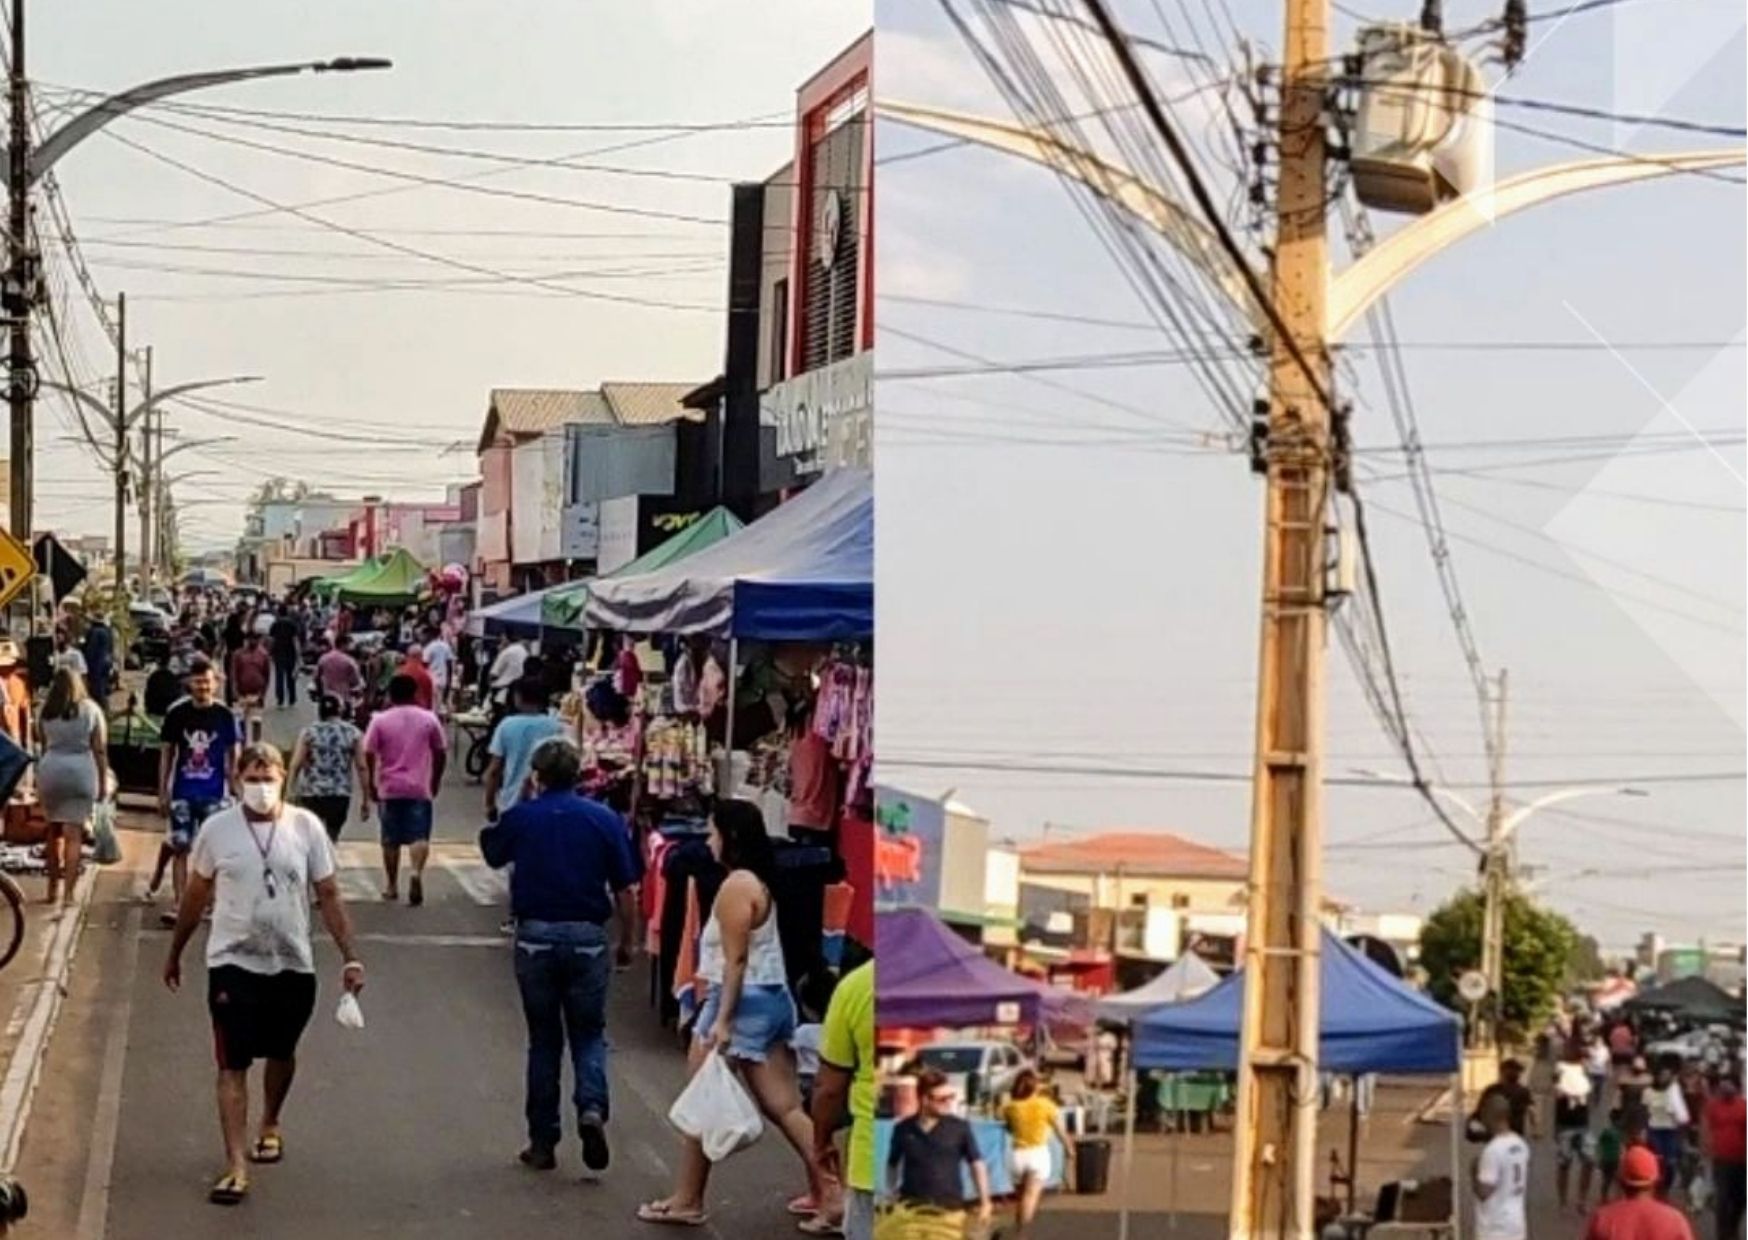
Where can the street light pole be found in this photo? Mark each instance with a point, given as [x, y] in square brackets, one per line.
[1496, 884]
[24, 167]
[148, 480]
[121, 447]
[21, 365]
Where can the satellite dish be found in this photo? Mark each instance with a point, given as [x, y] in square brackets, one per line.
[1472, 986]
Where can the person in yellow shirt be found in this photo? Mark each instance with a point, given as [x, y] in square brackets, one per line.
[1031, 1116]
[846, 1082]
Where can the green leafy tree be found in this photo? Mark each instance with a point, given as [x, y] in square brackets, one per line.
[1540, 949]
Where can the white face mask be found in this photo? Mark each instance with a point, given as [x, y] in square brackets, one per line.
[262, 798]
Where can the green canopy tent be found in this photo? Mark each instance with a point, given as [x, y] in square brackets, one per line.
[391, 580]
[327, 587]
[563, 609]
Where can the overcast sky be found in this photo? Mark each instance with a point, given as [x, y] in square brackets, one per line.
[409, 368]
[1055, 592]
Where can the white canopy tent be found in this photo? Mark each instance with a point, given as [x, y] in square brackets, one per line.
[1187, 977]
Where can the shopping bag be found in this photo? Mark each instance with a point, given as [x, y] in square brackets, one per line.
[349, 1014]
[105, 847]
[716, 1110]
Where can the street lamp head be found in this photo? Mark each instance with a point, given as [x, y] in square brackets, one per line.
[352, 64]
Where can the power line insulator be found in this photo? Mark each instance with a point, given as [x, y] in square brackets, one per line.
[1432, 16]
[1516, 32]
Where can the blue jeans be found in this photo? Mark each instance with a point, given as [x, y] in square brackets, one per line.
[562, 969]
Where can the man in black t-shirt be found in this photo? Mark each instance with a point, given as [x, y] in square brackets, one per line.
[286, 641]
[1517, 1095]
[929, 1151]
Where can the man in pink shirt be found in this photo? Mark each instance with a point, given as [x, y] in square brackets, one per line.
[337, 672]
[406, 751]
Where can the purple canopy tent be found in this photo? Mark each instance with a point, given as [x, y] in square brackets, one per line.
[930, 977]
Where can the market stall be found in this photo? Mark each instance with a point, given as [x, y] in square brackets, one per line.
[788, 602]
[393, 579]
[1369, 1022]
[1690, 1001]
[930, 978]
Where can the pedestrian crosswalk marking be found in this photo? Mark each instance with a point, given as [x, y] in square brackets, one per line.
[480, 881]
[357, 884]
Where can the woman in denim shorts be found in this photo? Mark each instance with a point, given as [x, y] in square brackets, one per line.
[748, 1014]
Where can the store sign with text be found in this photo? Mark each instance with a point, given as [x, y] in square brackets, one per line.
[908, 833]
[824, 418]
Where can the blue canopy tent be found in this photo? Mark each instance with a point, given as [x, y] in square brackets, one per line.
[519, 614]
[1369, 1022]
[802, 572]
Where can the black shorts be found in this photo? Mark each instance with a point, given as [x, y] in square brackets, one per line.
[332, 811]
[257, 1015]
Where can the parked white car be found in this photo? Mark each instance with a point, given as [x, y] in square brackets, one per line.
[980, 1071]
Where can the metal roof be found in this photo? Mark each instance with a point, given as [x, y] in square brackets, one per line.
[649, 404]
[1138, 854]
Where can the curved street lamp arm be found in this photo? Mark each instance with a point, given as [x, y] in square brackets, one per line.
[182, 389]
[1457, 799]
[88, 122]
[1153, 206]
[1354, 290]
[98, 407]
[1517, 818]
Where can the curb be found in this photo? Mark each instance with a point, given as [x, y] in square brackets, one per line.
[39, 1003]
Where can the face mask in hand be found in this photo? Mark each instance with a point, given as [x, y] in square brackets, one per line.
[262, 798]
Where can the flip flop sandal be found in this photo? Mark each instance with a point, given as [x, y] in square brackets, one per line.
[803, 1206]
[229, 1190]
[269, 1149]
[416, 892]
[819, 1226]
[666, 1216]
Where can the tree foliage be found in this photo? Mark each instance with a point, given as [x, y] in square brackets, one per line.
[1541, 948]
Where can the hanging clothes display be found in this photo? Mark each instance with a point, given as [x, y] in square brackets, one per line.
[677, 760]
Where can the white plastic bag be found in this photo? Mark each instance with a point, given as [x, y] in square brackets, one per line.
[349, 1014]
[716, 1110]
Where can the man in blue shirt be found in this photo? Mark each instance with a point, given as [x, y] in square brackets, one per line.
[197, 767]
[573, 871]
[513, 744]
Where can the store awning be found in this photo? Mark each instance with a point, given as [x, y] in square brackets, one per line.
[520, 614]
[563, 608]
[803, 572]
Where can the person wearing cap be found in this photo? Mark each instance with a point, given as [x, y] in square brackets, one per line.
[1639, 1215]
[1501, 1176]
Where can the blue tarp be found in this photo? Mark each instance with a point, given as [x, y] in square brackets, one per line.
[519, 614]
[1371, 1022]
[802, 572]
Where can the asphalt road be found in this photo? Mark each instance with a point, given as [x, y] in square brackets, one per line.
[408, 1127]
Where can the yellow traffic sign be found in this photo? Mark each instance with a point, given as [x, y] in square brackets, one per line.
[17, 567]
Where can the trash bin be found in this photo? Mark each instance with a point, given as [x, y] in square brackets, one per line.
[1092, 1167]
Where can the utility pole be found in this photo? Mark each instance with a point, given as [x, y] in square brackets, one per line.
[121, 452]
[1496, 884]
[148, 480]
[21, 366]
[1273, 1188]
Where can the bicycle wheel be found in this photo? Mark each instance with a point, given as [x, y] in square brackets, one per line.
[478, 758]
[11, 920]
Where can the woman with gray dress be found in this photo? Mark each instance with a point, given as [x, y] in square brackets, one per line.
[71, 775]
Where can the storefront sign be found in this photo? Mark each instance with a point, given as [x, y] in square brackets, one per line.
[907, 850]
[580, 535]
[618, 537]
[823, 417]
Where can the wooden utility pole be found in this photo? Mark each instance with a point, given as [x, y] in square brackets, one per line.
[121, 453]
[1496, 881]
[1273, 1186]
[148, 480]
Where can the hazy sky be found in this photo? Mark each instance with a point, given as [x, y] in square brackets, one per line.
[1062, 586]
[258, 296]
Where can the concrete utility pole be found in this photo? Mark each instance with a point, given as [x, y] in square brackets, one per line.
[1273, 1186]
[1496, 885]
[148, 479]
[121, 446]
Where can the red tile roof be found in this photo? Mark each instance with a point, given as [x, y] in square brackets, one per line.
[1141, 854]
